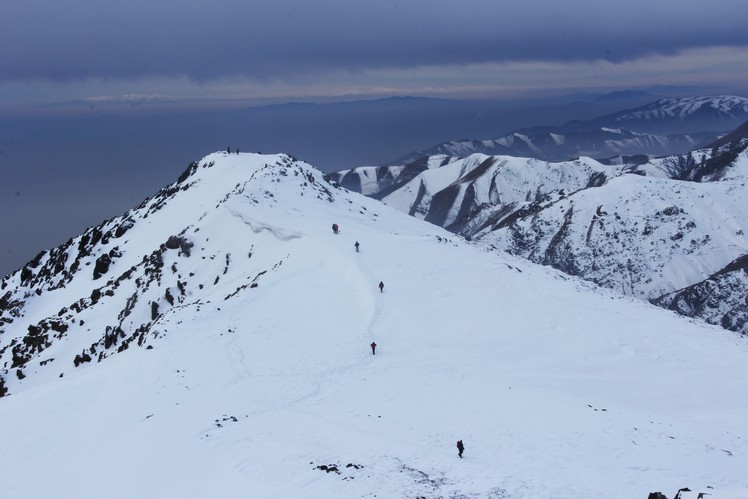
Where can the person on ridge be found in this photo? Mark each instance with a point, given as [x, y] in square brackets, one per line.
[381, 287]
[373, 348]
[356, 245]
[228, 150]
[460, 448]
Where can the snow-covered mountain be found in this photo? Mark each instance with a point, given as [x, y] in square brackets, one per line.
[658, 231]
[664, 127]
[561, 146]
[214, 342]
[683, 115]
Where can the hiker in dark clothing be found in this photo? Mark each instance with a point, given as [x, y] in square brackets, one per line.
[381, 287]
[228, 150]
[373, 348]
[460, 448]
[356, 245]
[334, 228]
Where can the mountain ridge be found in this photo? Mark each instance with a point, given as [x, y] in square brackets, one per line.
[664, 127]
[259, 378]
[559, 214]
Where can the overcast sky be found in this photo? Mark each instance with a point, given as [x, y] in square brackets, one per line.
[173, 52]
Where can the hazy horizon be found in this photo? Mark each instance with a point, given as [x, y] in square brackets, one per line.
[62, 175]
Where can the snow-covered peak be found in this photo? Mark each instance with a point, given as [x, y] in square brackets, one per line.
[225, 350]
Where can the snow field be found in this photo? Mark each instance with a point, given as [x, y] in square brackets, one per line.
[557, 388]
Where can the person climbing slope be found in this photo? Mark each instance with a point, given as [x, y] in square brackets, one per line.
[460, 448]
[381, 287]
[356, 245]
[373, 348]
[334, 228]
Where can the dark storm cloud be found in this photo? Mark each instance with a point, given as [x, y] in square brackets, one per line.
[81, 39]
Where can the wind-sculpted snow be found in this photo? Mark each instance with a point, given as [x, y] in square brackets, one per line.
[257, 227]
[224, 351]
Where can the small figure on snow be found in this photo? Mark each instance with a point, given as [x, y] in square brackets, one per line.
[381, 287]
[373, 348]
[460, 448]
[335, 228]
[356, 245]
[228, 150]
[237, 150]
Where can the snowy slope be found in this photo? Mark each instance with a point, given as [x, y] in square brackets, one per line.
[641, 235]
[259, 375]
[671, 230]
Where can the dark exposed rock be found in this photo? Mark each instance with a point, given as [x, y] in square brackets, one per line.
[123, 227]
[173, 242]
[26, 274]
[111, 336]
[721, 299]
[179, 242]
[191, 169]
[102, 265]
[81, 358]
[329, 468]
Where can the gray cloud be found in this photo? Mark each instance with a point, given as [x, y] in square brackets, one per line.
[83, 39]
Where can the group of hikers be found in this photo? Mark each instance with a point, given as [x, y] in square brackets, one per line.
[373, 345]
[336, 230]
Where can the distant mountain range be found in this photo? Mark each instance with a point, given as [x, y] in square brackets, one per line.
[554, 146]
[670, 230]
[667, 126]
